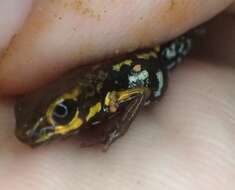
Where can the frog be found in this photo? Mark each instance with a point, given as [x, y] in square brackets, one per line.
[108, 93]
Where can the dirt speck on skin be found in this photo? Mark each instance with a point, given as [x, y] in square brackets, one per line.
[76, 4]
[82, 7]
[7, 51]
[58, 17]
[3, 53]
[172, 4]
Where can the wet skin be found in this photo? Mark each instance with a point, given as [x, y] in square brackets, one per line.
[186, 141]
[90, 96]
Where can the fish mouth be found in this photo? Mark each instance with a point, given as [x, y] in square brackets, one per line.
[21, 136]
[30, 138]
[32, 135]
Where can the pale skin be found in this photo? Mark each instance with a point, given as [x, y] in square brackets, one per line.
[184, 142]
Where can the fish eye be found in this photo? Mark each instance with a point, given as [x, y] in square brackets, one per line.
[64, 111]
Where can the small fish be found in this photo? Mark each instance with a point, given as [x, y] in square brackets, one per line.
[109, 93]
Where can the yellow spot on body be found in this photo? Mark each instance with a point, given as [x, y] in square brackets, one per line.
[107, 99]
[137, 68]
[111, 101]
[113, 108]
[72, 95]
[93, 111]
[118, 66]
[157, 49]
[147, 56]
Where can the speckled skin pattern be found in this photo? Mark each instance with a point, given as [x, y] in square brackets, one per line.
[113, 90]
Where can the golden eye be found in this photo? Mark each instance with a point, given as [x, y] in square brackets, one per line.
[64, 112]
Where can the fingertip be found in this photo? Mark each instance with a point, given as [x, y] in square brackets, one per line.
[56, 37]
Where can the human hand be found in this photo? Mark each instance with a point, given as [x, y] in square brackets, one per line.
[184, 142]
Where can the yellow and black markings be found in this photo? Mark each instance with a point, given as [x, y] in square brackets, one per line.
[99, 93]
